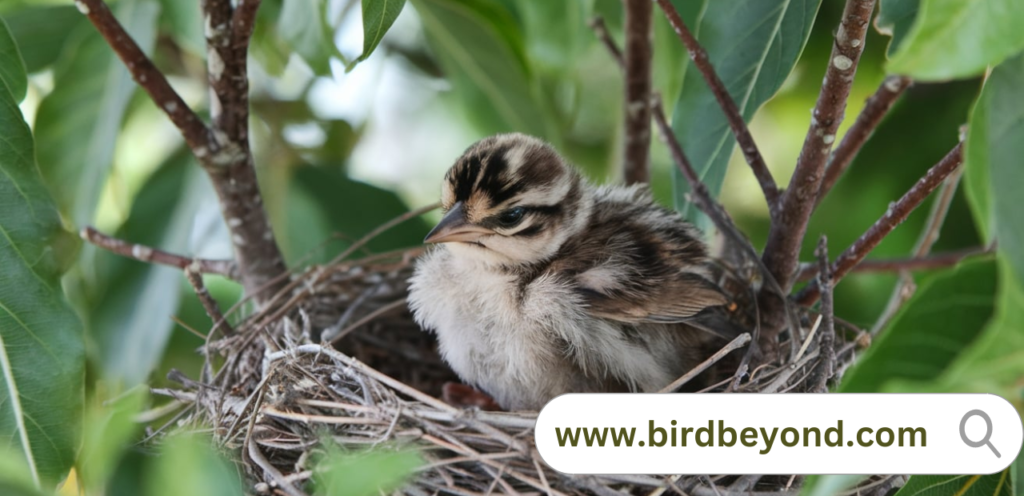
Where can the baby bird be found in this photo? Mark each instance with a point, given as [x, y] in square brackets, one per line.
[544, 284]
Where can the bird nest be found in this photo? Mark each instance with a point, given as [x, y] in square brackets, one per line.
[336, 356]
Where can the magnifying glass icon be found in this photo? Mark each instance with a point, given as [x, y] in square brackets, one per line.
[984, 439]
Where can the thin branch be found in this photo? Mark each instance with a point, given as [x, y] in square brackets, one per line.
[905, 286]
[739, 342]
[827, 338]
[898, 212]
[925, 262]
[601, 30]
[147, 76]
[732, 113]
[638, 90]
[782, 252]
[143, 253]
[195, 278]
[875, 109]
[704, 201]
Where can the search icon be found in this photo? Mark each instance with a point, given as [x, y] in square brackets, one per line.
[984, 439]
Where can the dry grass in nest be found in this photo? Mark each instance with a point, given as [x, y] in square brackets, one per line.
[277, 394]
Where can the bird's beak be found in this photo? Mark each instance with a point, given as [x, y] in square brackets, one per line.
[455, 227]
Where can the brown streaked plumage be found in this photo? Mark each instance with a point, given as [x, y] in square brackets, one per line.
[544, 284]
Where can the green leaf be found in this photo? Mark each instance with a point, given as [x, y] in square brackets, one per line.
[753, 45]
[42, 32]
[828, 485]
[946, 314]
[378, 16]
[363, 474]
[555, 33]
[41, 347]
[671, 61]
[15, 475]
[995, 143]
[320, 204]
[189, 465]
[12, 68]
[957, 38]
[132, 303]
[481, 49]
[78, 123]
[302, 25]
[997, 484]
[109, 426]
[895, 18]
[184, 21]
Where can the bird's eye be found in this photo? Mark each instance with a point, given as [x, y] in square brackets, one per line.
[511, 217]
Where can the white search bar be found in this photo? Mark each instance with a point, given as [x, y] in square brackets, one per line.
[779, 433]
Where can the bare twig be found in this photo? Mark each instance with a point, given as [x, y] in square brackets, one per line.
[142, 253]
[896, 214]
[732, 113]
[905, 286]
[390, 307]
[782, 251]
[925, 262]
[738, 342]
[601, 30]
[827, 337]
[195, 278]
[638, 90]
[875, 109]
[271, 474]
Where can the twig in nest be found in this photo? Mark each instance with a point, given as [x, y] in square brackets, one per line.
[601, 30]
[206, 299]
[894, 216]
[142, 253]
[875, 109]
[905, 287]
[782, 251]
[271, 473]
[383, 227]
[638, 90]
[732, 112]
[738, 342]
[390, 307]
[826, 341]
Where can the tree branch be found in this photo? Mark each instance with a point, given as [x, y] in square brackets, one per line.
[894, 216]
[782, 252]
[875, 109]
[146, 75]
[917, 262]
[222, 149]
[732, 113]
[601, 30]
[827, 335]
[142, 253]
[195, 278]
[638, 90]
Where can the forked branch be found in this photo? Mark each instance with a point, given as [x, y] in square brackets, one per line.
[732, 112]
[898, 212]
[781, 253]
[223, 148]
[143, 253]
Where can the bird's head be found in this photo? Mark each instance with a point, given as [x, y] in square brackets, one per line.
[510, 200]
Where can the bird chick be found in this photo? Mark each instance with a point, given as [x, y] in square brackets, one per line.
[544, 284]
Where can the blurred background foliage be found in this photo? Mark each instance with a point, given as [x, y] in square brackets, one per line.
[345, 140]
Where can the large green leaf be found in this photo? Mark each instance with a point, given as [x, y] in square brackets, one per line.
[959, 38]
[132, 303]
[997, 484]
[378, 16]
[188, 464]
[78, 124]
[322, 203]
[12, 68]
[895, 18]
[480, 47]
[340, 473]
[948, 313]
[42, 31]
[41, 349]
[304, 26]
[995, 144]
[753, 45]
[109, 426]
